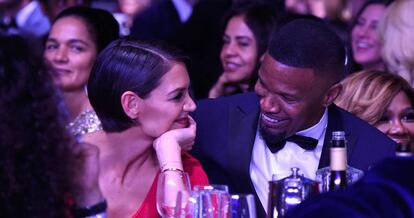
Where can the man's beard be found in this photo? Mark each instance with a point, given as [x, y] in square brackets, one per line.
[270, 138]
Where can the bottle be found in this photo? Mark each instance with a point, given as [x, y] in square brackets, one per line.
[338, 162]
[404, 150]
[336, 168]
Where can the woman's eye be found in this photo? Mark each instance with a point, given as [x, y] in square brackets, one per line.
[50, 46]
[244, 44]
[360, 22]
[226, 40]
[408, 117]
[374, 25]
[77, 48]
[178, 97]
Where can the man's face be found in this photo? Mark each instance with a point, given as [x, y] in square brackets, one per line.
[291, 99]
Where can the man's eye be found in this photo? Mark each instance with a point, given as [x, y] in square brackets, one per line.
[289, 99]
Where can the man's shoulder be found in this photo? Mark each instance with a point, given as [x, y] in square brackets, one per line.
[221, 109]
[241, 100]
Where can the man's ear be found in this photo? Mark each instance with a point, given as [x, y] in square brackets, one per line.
[332, 94]
[131, 104]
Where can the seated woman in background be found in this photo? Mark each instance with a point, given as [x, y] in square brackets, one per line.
[40, 165]
[77, 36]
[365, 39]
[397, 33]
[140, 92]
[382, 99]
[245, 39]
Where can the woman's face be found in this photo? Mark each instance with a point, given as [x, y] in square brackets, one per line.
[239, 52]
[132, 7]
[167, 106]
[366, 44]
[70, 52]
[398, 120]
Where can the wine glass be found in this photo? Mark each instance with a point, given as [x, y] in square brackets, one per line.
[170, 183]
[243, 206]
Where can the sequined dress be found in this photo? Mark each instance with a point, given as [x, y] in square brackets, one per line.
[86, 122]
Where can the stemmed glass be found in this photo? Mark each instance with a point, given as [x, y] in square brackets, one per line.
[170, 183]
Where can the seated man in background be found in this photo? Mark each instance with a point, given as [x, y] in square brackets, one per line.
[243, 140]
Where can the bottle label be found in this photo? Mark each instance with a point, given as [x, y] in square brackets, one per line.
[338, 159]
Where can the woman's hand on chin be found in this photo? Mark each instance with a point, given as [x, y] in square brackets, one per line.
[183, 137]
[170, 144]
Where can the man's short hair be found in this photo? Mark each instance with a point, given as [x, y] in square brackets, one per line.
[309, 43]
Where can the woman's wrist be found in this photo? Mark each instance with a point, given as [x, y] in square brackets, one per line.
[171, 166]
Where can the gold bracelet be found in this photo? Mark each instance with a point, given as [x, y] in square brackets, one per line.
[172, 169]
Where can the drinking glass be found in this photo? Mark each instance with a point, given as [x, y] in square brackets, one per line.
[215, 187]
[216, 197]
[195, 205]
[170, 183]
[243, 206]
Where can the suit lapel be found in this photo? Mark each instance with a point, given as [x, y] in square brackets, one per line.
[242, 132]
[335, 123]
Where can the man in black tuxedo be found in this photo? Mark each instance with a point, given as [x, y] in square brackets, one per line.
[245, 139]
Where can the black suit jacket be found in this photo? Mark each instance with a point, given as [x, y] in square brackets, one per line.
[226, 130]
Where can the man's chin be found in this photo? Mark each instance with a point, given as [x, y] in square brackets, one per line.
[271, 136]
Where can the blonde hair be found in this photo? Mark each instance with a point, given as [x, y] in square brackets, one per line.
[396, 29]
[367, 94]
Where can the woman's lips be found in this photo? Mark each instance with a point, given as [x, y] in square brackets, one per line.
[185, 122]
[403, 141]
[60, 71]
[230, 66]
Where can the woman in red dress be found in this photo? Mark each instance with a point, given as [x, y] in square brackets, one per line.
[140, 92]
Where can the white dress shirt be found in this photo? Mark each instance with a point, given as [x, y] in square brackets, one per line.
[264, 163]
[25, 12]
[184, 9]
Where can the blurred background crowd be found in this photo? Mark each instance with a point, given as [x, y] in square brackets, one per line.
[203, 29]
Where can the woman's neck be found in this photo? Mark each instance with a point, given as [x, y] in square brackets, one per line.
[377, 66]
[76, 102]
[124, 154]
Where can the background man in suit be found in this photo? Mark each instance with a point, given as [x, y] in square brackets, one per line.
[242, 140]
[25, 18]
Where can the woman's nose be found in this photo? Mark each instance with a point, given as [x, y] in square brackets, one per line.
[362, 31]
[189, 104]
[229, 49]
[61, 55]
[396, 127]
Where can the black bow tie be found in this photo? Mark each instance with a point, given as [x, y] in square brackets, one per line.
[304, 142]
